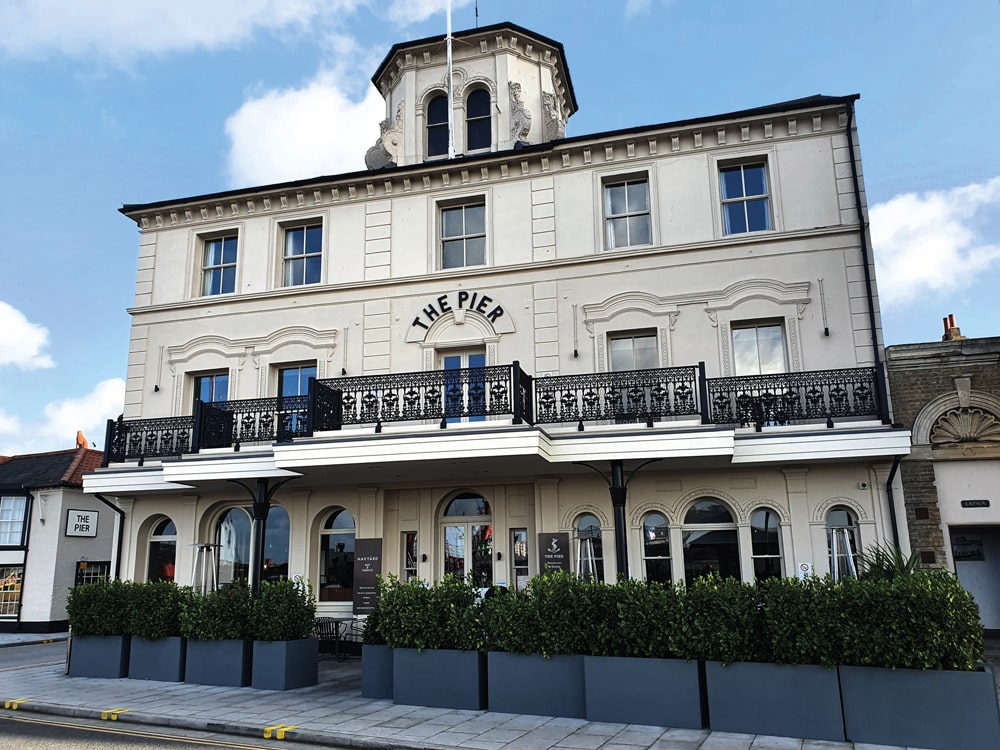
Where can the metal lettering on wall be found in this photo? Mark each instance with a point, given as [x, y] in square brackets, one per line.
[553, 551]
[461, 300]
[975, 503]
[367, 567]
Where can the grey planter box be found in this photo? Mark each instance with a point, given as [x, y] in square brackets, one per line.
[285, 665]
[532, 684]
[780, 699]
[376, 671]
[99, 656]
[941, 710]
[441, 678]
[224, 663]
[157, 660]
[662, 692]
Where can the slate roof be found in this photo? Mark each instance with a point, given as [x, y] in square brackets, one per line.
[55, 469]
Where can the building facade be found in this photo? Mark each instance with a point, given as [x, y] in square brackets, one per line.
[52, 536]
[948, 394]
[660, 344]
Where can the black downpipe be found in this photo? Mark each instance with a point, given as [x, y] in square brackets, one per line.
[121, 531]
[892, 500]
[865, 256]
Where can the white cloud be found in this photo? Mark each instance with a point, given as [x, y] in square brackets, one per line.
[636, 7]
[21, 341]
[413, 11]
[61, 420]
[935, 241]
[124, 29]
[303, 132]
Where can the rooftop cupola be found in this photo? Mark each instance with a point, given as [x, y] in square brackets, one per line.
[510, 86]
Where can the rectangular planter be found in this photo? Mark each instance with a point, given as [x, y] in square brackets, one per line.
[662, 692]
[285, 665]
[931, 709]
[781, 699]
[99, 656]
[532, 684]
[376, 671]
[157, 660]
[441, 678]
[224, 663]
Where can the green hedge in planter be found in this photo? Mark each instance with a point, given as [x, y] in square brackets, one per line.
[720, 621]
[635, 619]
[155, 608]
[100, 609]
[217, 616]
[920, 621]
[283, 611]
[446, 615]
[800, 621]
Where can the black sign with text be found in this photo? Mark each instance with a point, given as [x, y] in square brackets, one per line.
[553, 551]
[367, 567]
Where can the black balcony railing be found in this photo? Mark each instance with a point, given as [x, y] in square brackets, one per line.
[441, 397]
[634, 396]
[438, 396]
[775, 400]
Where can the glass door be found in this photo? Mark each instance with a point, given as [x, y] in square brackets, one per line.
[464, 396]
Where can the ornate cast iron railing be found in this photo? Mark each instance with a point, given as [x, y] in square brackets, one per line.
[774, 400]
[227, 424]
[440, 396]
[147, 438]
[477, 393]
[634, 396]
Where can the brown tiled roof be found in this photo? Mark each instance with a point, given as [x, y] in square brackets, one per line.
[54, 469]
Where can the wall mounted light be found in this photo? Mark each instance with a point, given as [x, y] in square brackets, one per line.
[499, 555]
[423, 558]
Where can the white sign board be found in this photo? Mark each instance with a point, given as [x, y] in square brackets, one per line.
[81, 522]
[805, 569]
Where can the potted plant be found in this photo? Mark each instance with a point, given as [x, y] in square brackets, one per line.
[98, 621]
[633, 674]
[537, 643]
[282, 622]
[157, 651]
[780, 633]
[376, 660]
[911, 669]
[434, 631]
[216, 626]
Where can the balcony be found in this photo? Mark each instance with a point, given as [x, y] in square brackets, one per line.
[440, 398]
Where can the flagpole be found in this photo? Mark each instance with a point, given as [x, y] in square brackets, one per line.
[451, 94]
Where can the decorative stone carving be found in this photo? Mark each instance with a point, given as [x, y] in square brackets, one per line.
[388, 147]
[966, 425]
[553, 125]
[520, 118]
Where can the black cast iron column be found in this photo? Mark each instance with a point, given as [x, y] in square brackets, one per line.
[619, 492]
[258, 526]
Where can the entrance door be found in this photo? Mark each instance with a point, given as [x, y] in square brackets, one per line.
[464, 396]
[467, 528]
[976, 550]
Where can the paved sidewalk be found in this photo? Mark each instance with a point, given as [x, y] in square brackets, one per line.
[27, 639]
[334, 713]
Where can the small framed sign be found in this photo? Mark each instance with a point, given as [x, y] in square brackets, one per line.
[81, 522]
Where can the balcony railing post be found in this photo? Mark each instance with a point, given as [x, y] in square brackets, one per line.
[109, 442]
[310, 409]
[529, 398]
[703, 394]
[196, 431]
[517, 403]
[338, 408]
[881, 393]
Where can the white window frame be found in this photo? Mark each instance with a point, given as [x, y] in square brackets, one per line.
[427, 124]
[302, 225]
[14, 512]
[610, 181]
[471, 201]
[650, 333]
[756, 325]
[780, 556]
[739, 157]
[205, 268]
[488, 117]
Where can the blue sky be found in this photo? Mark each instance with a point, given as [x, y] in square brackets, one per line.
[105, 102]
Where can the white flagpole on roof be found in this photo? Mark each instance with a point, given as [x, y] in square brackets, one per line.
[451, 101]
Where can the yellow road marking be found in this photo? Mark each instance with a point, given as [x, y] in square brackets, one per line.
[12, 705]
[112, 713]
[214, 742]
[281, 732]
[269, 730]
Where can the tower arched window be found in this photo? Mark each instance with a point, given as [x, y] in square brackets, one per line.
[478, 124]
[437, 126]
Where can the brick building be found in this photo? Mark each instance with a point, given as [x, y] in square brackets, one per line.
[948, 393]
